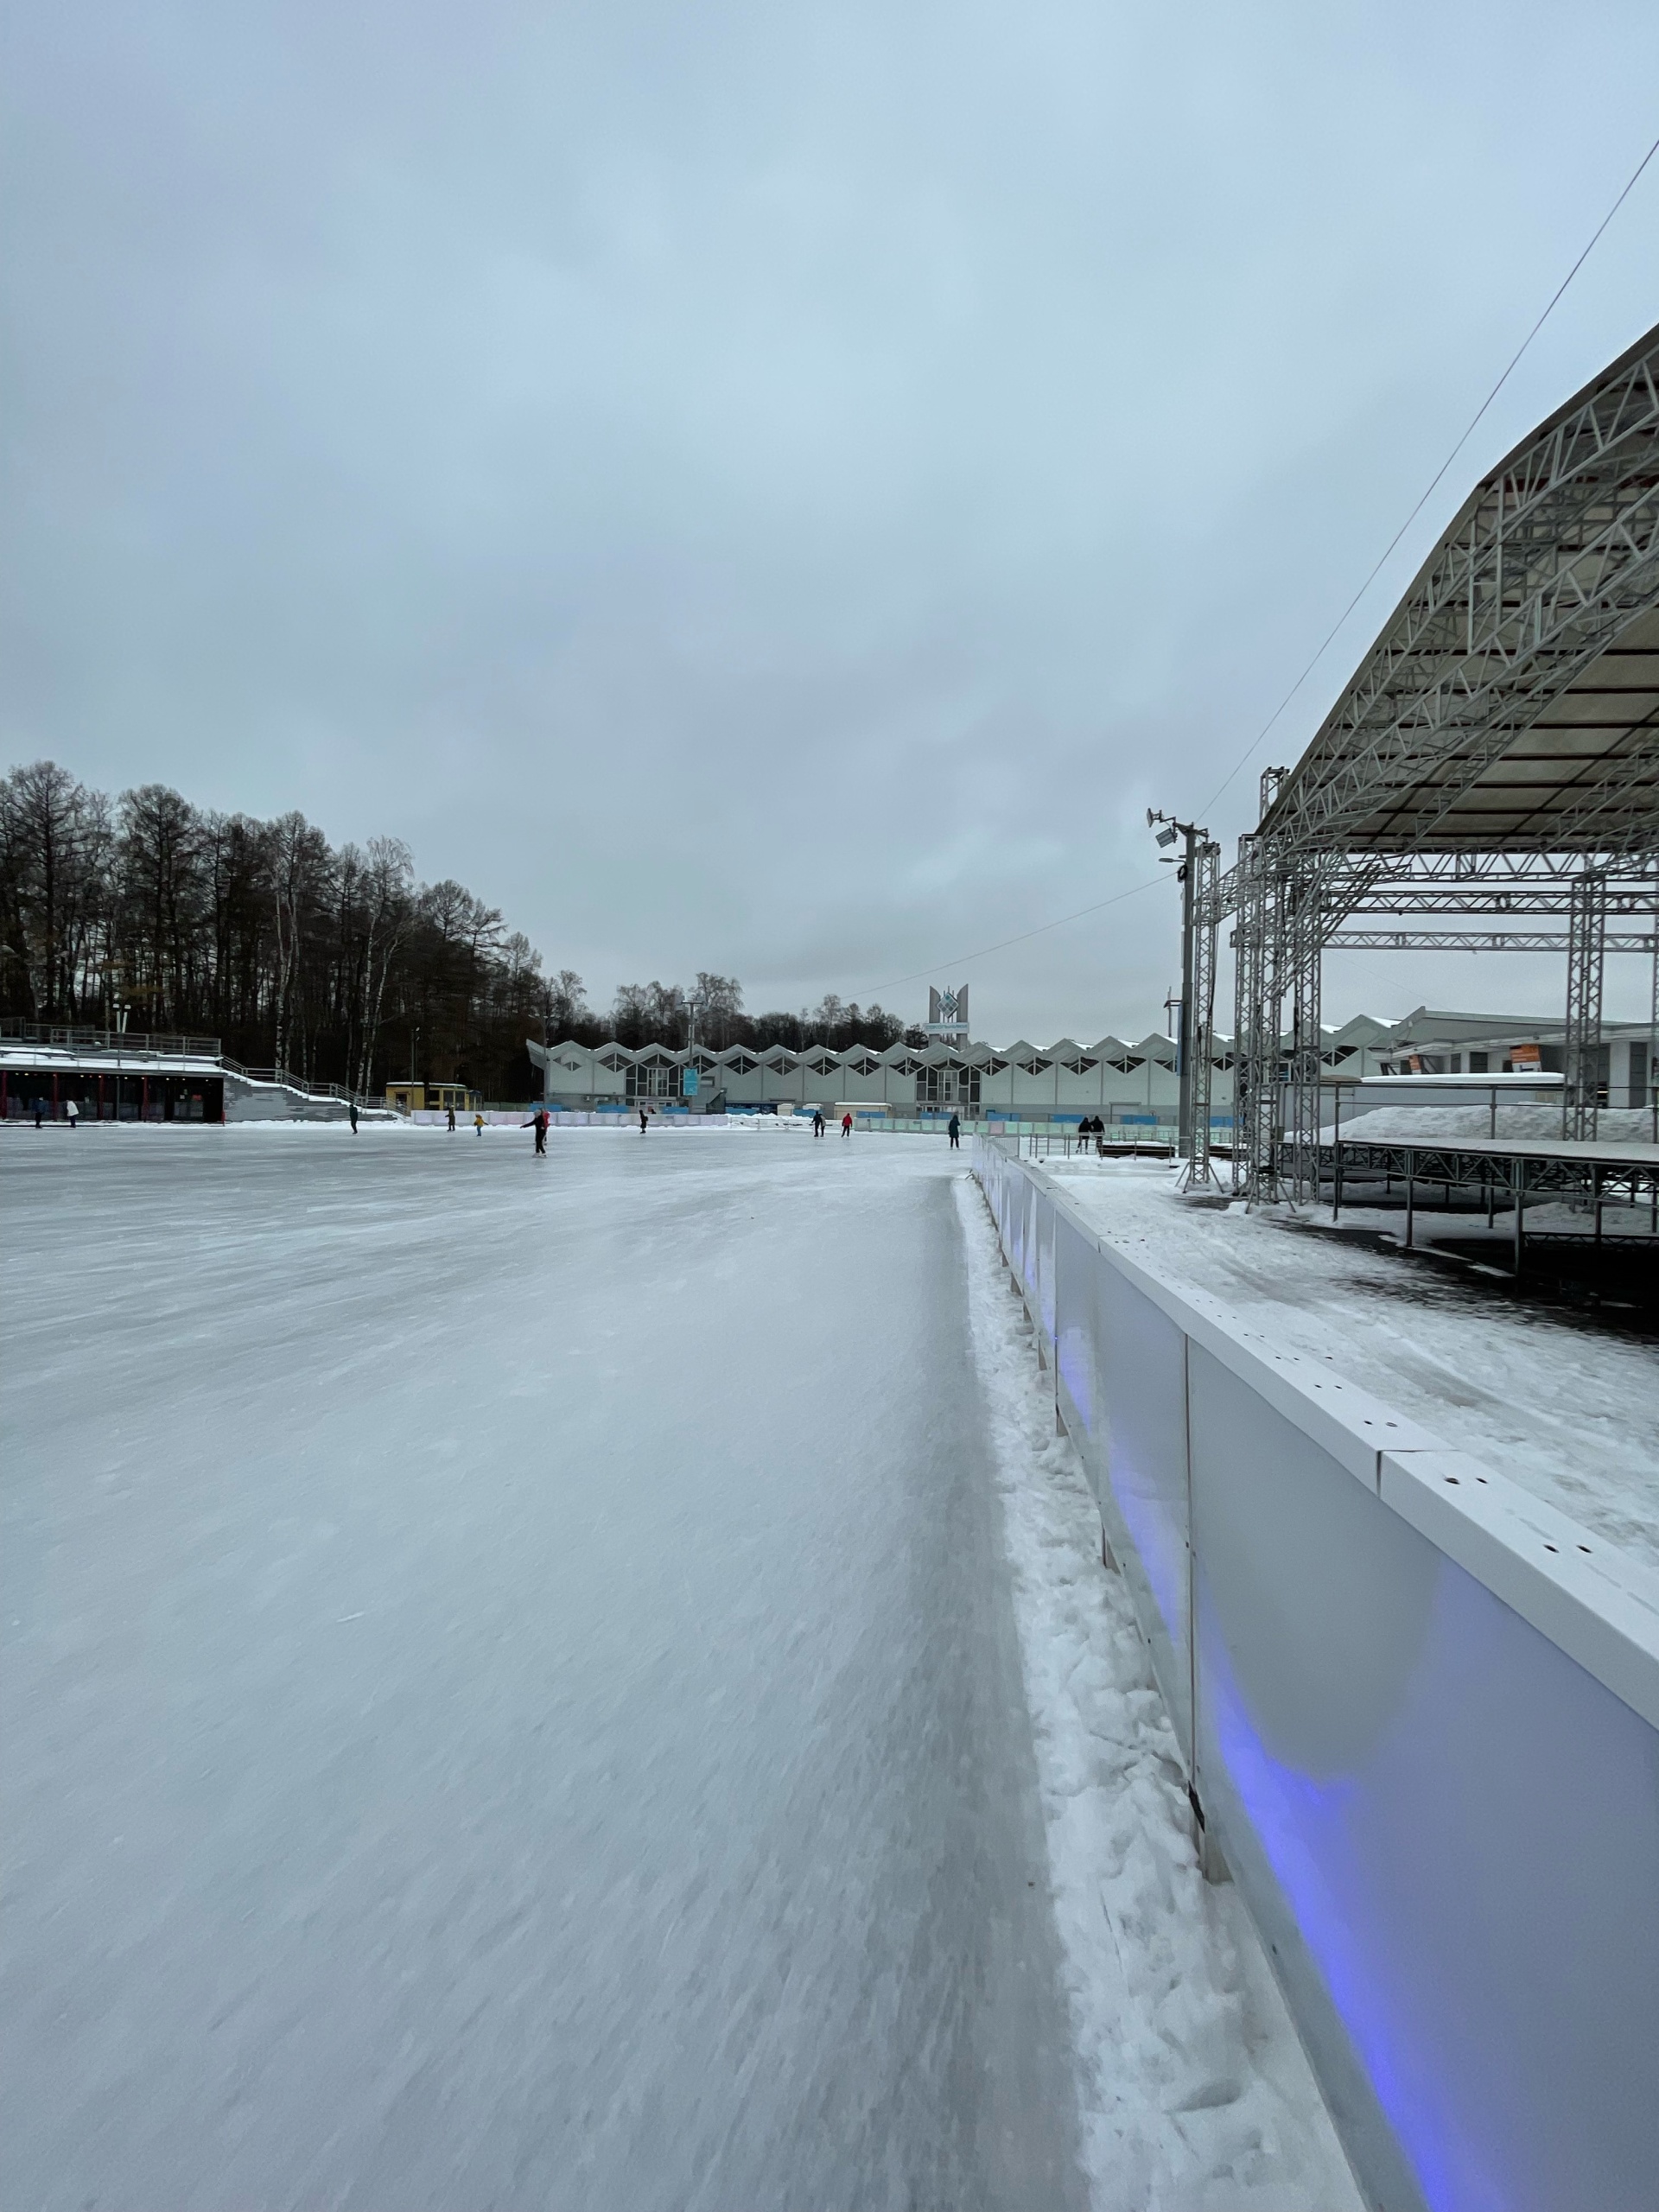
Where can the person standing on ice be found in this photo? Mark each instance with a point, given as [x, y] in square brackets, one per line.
[642, 1120]
[452, 1119]
[846, 1125]
[538, 1122]
[818, 1121]
[953, 1130]
[478, 1123]
[72, 1112]
[354, 1114]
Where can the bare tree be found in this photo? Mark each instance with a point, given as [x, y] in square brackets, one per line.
[299, 869]
[566, 1006]
[159, 856]
[53, 833]
[388, 907]
[720, 1009]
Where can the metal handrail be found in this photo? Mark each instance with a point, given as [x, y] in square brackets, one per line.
[141, 1044]
[1157, 1142]
[85, 1037]
[304, 1085]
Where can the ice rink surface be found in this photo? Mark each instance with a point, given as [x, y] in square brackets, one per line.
[511, 1696]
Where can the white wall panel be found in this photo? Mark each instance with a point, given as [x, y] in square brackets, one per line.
[1421, 1712]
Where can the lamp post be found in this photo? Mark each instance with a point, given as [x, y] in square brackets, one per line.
[1169, 829]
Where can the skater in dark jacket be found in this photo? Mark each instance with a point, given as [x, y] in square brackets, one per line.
[953, 1130]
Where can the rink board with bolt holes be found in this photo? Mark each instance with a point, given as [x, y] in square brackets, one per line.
[1420, 1713]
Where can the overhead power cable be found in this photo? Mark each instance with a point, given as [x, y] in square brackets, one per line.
[962, 959]
[1428, 491]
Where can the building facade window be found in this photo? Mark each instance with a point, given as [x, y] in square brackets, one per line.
[946, 1087]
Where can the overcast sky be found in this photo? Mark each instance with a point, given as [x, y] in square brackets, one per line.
[777, 488]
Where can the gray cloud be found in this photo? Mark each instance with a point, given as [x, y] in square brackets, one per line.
[780, 488]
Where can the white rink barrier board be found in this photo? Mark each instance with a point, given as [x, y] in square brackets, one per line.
[1419, 1712]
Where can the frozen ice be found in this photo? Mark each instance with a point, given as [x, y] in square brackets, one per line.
[515, 1694]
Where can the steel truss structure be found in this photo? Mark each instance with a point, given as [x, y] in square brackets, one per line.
[1496, 752]
[1468, 1176]
[1200, 1021]
[1476, 941]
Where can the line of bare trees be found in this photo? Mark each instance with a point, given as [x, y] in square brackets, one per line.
[663, 1014]
[148, 913]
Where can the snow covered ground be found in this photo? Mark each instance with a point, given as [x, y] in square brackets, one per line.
[1192, 2086]
[1568, 1411]
[513, 1695]
[1617, 1125]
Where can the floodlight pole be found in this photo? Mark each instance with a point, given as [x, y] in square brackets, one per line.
[1184, 1049]
[1194, 838]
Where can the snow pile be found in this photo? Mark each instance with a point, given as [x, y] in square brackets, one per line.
[1613, 1125]
[1565, 1410]
[1194, 2093]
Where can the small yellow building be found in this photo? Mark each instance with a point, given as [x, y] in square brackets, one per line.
[418, 1097]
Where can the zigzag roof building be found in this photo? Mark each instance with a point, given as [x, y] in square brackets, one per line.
[1120, 1078]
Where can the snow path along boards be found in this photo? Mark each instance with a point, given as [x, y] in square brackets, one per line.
[1195, 2094]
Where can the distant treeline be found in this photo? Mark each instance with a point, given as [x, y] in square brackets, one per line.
[146, 912]
[661, 1013]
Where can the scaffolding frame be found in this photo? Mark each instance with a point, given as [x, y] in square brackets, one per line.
[1586, 943]
[1496, 754]
[1200, 1023]
[1288, 913]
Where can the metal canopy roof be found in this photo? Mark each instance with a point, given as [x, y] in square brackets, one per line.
[1511, 702]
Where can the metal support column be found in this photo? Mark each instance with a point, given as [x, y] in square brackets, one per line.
[1256, 1047]
[1586, 945]
[1183, 1040]
[1304, 943]
[1204, 871]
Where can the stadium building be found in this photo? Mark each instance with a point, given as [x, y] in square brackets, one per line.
[1125, 1082]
